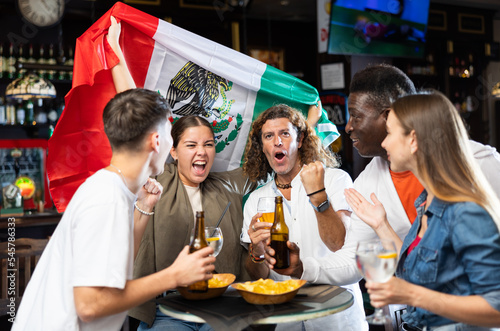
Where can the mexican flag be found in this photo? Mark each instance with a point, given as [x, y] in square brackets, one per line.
[196, 75]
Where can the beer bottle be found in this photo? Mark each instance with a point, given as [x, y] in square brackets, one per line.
[198, 242]
[279, 237]
[3, 62]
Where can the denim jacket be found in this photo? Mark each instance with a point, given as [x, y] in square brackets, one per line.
[459, 255]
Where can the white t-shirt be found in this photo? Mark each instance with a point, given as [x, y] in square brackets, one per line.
[93, 245]
[321, 266]
[194, 195]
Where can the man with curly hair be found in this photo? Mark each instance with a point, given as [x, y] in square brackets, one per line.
[283, 146]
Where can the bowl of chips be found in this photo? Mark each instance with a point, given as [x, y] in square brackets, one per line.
[269, 292]
[217, 285]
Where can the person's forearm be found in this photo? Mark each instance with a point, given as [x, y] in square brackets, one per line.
[387, 232]
[256, 270]
[96, 302]
[472, 309]
[331, 228]
[337, 269]
[122, 78]
[140, 223]
[314, 114]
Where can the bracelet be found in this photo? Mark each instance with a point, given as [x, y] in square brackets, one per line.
[143, 211]
[316, 192]
[256, 259]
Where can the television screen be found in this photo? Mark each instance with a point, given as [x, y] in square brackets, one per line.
[393, 28]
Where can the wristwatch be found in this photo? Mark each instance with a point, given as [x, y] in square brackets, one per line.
[322, 206]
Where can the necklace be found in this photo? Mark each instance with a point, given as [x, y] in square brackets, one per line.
[121, 174]
[282, 186]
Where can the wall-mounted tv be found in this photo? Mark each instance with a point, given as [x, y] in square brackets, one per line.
[393, 28]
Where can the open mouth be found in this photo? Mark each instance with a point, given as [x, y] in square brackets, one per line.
[279, 156]
[199, 166]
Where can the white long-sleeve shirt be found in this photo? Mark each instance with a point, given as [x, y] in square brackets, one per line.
[321, 266]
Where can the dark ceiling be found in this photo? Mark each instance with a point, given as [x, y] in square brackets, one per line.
[290, 10]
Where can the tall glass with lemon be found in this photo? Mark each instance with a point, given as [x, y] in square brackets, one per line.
[214, 238]
[377, 261]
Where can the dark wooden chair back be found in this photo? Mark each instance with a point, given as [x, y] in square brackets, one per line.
[18, 259]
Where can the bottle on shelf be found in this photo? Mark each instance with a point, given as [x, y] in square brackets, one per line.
[431, 69]
[464, 70]
[11, 63]
[22, 59]
[41, 60]
[471, 65]
[20, 114]
[3, 115]
[3, 62]
[279, 236]
[11, 113]
[198, 242]
[69, 62]
[52, 112]
[451, 68]
[61, 75]
[29, 113]
[40, 113]
[470, 104]
[31, 58]
[51, 74]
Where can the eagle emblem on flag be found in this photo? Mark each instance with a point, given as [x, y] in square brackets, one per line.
[194, 90]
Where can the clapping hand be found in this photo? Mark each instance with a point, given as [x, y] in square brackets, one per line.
[372, 214]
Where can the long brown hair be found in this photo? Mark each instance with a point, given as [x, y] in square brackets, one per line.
[256, 166]
[444, 159]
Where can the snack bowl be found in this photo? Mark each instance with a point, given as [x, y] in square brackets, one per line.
[213, 291]
[268, 299]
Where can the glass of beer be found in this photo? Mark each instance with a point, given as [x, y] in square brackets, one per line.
[266, 207]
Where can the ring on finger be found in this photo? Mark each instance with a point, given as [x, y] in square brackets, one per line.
[253, 228]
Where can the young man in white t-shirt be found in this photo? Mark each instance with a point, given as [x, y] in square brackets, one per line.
[83, 280]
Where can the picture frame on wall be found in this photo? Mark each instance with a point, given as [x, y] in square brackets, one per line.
[273, 57]
[470, 23]
[438, 20]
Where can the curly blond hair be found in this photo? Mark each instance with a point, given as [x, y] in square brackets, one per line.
[256, 166]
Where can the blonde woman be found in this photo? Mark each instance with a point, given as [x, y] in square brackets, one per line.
[450, 260]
